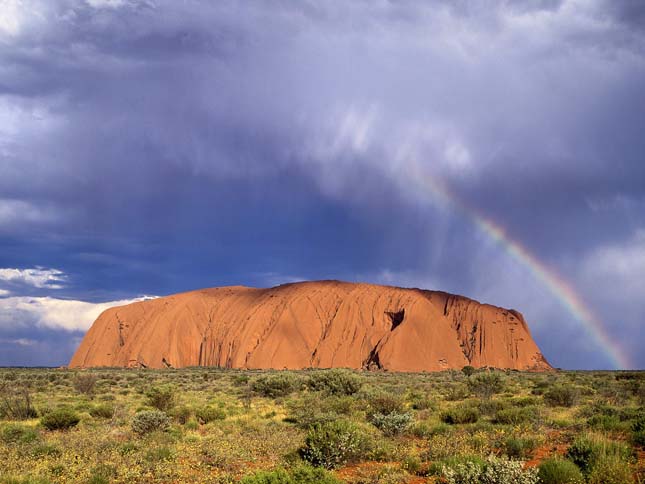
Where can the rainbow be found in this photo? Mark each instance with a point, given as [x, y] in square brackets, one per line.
[556, 284]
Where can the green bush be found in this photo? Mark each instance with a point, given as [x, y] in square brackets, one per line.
[638, 429]
[14, 433]
[493, 471]
[559, 471]
[587, 450]
[333, 444]
[162, 398]
[181, 414]
[610, 470]
[393, 423]
[519, 448]
[205, 415]
[606, 422]
[487, 384]
[60, 419]
[468, 370]
[277, 385]
[515, 416]
[335, 382]
[384, 403]
[561, 396]
[148, 421]
[104, 410]
[460, 415]
[303, 474]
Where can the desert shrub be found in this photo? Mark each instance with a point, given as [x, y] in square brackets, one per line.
[384, 403]
[162, 397]
[638, 429]
[610, 470]
[606, 422]
[84, 383]
[493, 471]
[468, 370]
[277, 385]
[181, 414]
[393, 423]
[335, 382]
[60, 419]
[15, 402]
[240, 380]
[208, 414]
[487, 384]
[14, 433]
[437, 468]
[310, 410]
[561, 396]
[303, 474]
[519, 448]
[515, 415]
[421, 401]
[456, 392]
[460, 415]
[103, 410]
[559, 471]
[334, 444]
[587, 450]
[148, 421]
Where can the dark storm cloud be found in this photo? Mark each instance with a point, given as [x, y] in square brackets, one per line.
[151, 147]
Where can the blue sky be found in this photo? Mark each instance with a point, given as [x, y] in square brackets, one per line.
[150, 147]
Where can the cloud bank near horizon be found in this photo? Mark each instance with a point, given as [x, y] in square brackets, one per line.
[225, 143]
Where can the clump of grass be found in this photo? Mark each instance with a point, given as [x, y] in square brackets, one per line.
[60, 419]
[208, 414]
[460, 415]
[103, 410]
[520, 448]
[516, 415]
[588, 450]
[559, 471]
[300, 475]
[17, 433]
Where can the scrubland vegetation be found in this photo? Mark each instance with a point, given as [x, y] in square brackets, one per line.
[206, 425]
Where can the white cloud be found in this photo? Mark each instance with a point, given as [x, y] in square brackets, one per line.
[47, 312]
[617, 270]
[4, 292]
[106, 3]
[38, 277]
[18, 341]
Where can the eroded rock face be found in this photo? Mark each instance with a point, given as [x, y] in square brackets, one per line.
[319, 324]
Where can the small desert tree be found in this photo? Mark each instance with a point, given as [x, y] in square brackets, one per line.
[84, 383]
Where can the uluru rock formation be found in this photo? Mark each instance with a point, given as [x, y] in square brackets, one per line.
[319, 324]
